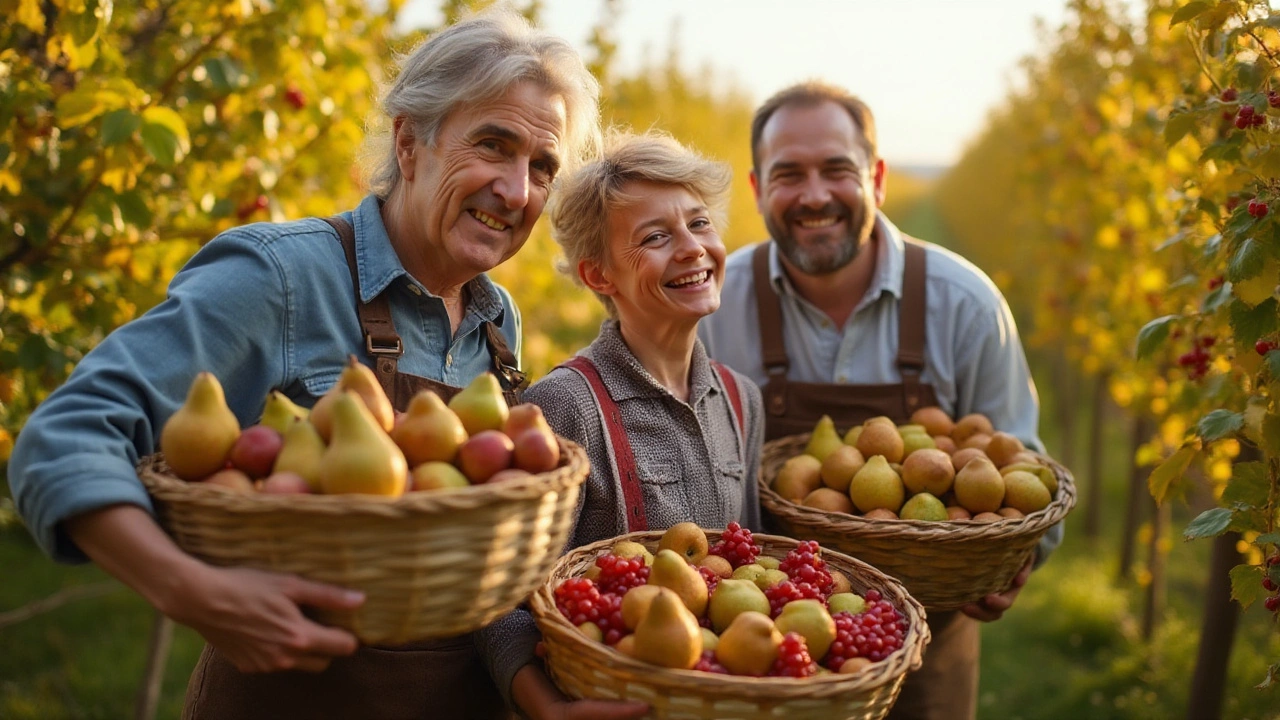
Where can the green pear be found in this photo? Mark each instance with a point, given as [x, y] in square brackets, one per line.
[876, 486]
[1025, 492]
[428, 431]
[198, 437]
[670, 570]
[436, 475]
[1044, 472]
[280, 412]
[924, 506]
[846, 602]
[668, 635]
[733, 597]
[768, 562]
[301, 453]
[361, 458]
[631, 548]
[810, 619]
[824, 440]
[480, 405]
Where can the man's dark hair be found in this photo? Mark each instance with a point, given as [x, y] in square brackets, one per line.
[808, 94]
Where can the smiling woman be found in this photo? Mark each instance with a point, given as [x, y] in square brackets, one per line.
[641, 228]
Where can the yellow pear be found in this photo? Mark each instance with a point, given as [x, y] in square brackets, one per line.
[196, 439]
[811, 619]
[301, 453]
[480, 406]
[687, 540]
[733, 597]
[971, 424]
[928, 470]
[798, 477]
[935, 421]
[923, 506]
[1025, 492]
[877, 486]
[830, 500]
[668, 635]
[428, 431]
[280, 412]
[851, 437]
[1044, 472]
[912, 442]
[361, 380]
[749, 646]
[631, 548]
[636, 603]
[824, 439]
[840, 467]
[361, 458]
[670, 570]
[978, 486]
[881, 438]
[1002, 448]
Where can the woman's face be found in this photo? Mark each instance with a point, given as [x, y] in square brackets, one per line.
[664, 261]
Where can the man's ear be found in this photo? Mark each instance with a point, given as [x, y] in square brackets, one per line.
[594, 277]
[755, 186]
[406, 143]
[878, 178]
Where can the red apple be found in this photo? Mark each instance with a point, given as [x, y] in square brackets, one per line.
[484, 454]
[231, 479]
[255, 450]
[285, 483]
[536, 450]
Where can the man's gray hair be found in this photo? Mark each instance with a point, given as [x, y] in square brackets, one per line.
[477, 60]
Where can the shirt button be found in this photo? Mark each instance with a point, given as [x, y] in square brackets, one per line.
[826, 324]
[448, 360]
[415, 289]
[843, 378]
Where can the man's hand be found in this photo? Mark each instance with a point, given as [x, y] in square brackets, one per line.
[533, 692]
[993, 607]
[254, 619]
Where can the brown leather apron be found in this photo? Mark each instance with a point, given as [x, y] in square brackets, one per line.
[945, 687]
[435, 679]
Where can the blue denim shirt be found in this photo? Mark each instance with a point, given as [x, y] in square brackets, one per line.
[262, 307]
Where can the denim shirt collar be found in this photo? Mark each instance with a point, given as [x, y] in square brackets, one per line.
[890, 259]
[627, 378]
[378, 266]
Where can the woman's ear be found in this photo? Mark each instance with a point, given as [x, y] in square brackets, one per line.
[406, 141]
[595, 278]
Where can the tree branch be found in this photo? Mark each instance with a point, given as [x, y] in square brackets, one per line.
[57, 600]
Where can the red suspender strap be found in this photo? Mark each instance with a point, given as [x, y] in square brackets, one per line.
[731, 387]
[625, 460]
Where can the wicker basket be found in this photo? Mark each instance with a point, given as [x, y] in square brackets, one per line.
[586, 669]
[431, 564]
[945, 564]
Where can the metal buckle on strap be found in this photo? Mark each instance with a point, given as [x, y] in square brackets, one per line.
[379, 348]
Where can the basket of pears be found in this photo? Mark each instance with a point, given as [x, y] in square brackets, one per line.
[728, 624]
[953, 509]
[445, 516]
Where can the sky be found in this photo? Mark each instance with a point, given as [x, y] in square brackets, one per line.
[930, 69]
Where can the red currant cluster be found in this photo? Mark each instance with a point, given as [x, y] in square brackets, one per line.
[780, 594]
[579, 600]
[793, 658]
[1229, 95]
[1197, 360]
[737, 546]
[1272, 603]
[1247, 117]
[873, 634]
[1258, 209]
[708, 663]
[1216, 281]
[710, 577]
[1262, 347]
[1273, 98]
[619, 574]
[804, 567]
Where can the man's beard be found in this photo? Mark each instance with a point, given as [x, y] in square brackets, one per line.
[824, 253]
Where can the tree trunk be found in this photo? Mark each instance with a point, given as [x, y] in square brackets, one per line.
[1157, 555]
[1093, 493]
[157, 657]
[1138, 497]
[1217, 632]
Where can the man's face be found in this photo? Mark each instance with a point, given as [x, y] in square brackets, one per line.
[817, 189]
[477, 190]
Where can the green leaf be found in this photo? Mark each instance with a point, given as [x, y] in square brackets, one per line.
[1248, 324]
[1189, 12]
[1216, 298]
[1248, 485]
[1214, 17]
[1222, 150]
[160, 143]
[118, 126]
[1177, 127]
[1247, 261]
[134, 209]
[1178, 238]
[1210, 523]
[1219, 424]
[1271, 538]
[1273, 363]
[78, 107]
[224, 73]
[1248, 75]
[1271, 434]
[166, 118]
[1208, 207]
[1266, 161]
[1246, 584]
[1153, 334]
[1212, 244]
[1166, 472]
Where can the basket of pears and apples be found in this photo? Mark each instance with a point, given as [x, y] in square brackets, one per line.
[723, 623]
[446, 516]
[953, 509]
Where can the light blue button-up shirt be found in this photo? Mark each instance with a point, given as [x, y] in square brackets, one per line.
[973, 357]
[262, 307]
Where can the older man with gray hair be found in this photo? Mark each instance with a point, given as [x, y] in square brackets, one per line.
[482, 118]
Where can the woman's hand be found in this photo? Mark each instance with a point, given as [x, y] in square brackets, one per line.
[533, 692]
[993, 606]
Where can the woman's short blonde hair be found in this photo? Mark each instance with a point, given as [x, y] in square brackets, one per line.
[580, 207]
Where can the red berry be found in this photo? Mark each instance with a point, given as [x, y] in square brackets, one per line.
[793, 658]
[619, 574]
[1206, 341]
[1273, 603]
[1216, 282]
[1262, 347]
[708, 663]
[1273, 99]
[803, 565]
[1273, 560]
[1261, 210]
[1229, 95]
[294, 97]
[737, 546]
[786, 591]
[1268, 584]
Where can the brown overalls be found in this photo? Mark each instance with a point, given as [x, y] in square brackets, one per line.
[439, 679]
[945, 687]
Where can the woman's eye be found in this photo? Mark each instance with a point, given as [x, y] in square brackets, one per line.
[700, 224]
[653, 238]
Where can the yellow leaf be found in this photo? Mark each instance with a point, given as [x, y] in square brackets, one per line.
[1108, 237]
[10, 183]
[167, 118]
[29, 14]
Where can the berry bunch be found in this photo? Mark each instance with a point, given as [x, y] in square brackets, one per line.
[1262, 347]
[620, 574]
[1247, 117]
[873, 634]
[1197, 360]
[1273, 98]
[1272, 603]
[804, 567]
[1258, 209]
[579, 600]
[786, 591]
[793, 658]
[708, 663]
[710, 577]
[737, 546]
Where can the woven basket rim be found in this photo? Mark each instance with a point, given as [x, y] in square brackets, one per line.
[941, 531]
[166, 487]
[906, 659]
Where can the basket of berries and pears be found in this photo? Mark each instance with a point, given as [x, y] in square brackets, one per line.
[716, 624]
[422, 511]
